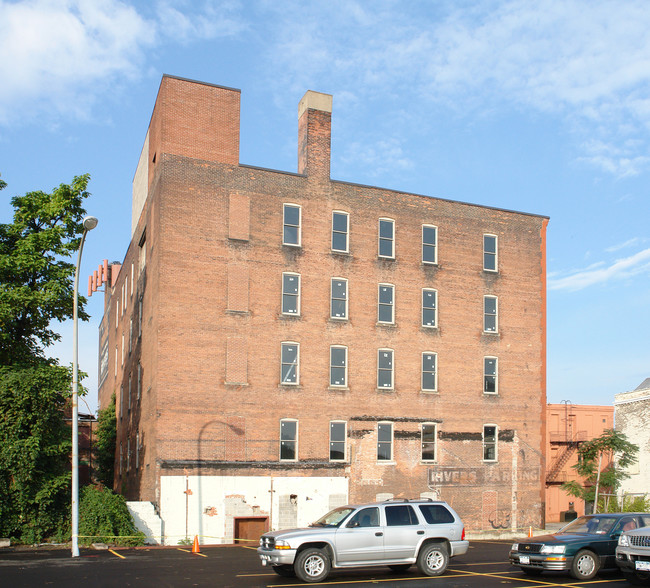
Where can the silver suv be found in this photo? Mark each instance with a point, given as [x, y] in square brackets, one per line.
[395, 533]
[633, 555]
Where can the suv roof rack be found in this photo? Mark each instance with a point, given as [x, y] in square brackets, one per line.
[409, 500]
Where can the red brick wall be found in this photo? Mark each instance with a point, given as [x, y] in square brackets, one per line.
[193, 347]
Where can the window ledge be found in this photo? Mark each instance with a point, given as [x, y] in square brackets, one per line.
[238, 384]
[430, 392]
[382, 462]
[389, 390]
[289, 317]
[492, 394]
[387, 325]
[338, 388]
[339, 320]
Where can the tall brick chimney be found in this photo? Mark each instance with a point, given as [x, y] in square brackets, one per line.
[314, 134]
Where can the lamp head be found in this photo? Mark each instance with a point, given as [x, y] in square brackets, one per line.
[90, 222]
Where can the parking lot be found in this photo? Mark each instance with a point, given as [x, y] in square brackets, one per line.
[484, 566]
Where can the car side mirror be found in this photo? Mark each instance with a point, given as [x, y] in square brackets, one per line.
[353, 524]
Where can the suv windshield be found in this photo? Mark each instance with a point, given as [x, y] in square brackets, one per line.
[334, 517]
[592, 524]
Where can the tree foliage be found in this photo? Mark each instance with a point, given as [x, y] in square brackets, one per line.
[34, 449]
[36, 288]
[104, 518]
[105, 443]
[36, 274]
[602, 461]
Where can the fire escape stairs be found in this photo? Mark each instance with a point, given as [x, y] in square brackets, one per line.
[561, 460]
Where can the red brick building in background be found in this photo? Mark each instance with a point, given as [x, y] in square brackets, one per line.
[281, 343]
[568, 426]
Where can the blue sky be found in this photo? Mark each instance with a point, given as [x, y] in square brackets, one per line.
[541, 107]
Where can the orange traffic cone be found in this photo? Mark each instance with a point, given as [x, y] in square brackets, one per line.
[195, 547]
[530, 531]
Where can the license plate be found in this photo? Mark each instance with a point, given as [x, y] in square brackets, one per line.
[524, 559]
[642, 565]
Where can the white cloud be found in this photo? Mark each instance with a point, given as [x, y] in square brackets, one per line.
[624, 245]
[59, 56]
[627, 267]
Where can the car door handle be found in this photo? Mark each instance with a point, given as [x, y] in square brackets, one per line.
[420, 532]
[378, 534]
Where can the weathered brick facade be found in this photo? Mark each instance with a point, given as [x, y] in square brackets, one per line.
[208, 260]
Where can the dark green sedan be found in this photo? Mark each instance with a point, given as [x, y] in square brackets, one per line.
[581, 548]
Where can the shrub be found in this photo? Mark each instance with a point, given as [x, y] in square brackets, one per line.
[104, 518]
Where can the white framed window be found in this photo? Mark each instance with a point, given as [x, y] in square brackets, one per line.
[122, 349]
[339, 299]
[128, 454]
[117, 312]
[385, 369]
[291, 234]
[116, 361]
[137, 451]
[490, 437]
[387, 238]
[386, 304]
[384, 441]
[288, 440]
[142, 252]
[338, 366]
[490, 375]
[291, 294]
[340, 231]
[132, 280]
[429, 371]
[490, 253]
[490, 314]
[290, 362]
[139, 381]
[429, 433]
[125, 291]
[130, 388]
[121, 400]
[338, 436]
[130, 336]
[121, 458]
[429, 244]
[429, 307]
[140, 317]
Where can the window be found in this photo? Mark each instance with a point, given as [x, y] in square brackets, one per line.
[117, 312]
[490, 374]
[139, 380]
[400, 515]
[121, 458]
[338, 366]
[366, 517]
[490, 253]
[429, 380]
[384, 441]
[291, 294]
[140, 317]
[429, 244]
[386, 306]
[137, 451]
[436, 514]
[428, 441]
[385, 369]
[340, 231]
[429, 308]
[337, 440]
[129, 401]
[490, 442]
[122, 349]
[288, 440]
[130, 336]
[291, 232]
[386, 238]
[121, 400]
[128, 454]
[339, 299]
[125, 290]
[289, 370]
[132, 280]
[490, 314]
[142, 252]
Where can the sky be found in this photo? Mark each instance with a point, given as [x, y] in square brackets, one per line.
[539, 107]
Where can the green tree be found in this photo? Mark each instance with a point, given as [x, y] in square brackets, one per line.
[36, 288]
[105, 443]
[36, 276]
[602, 463]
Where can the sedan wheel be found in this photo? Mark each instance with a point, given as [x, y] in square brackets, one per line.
[312, 565]
[433, 559]
[585, 565]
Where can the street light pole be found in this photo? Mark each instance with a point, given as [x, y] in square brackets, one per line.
[89, 223]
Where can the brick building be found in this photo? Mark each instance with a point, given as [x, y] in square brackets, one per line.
[280, 343]
[568, 426]
[632, 410]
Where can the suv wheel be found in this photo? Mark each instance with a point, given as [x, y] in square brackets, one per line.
[585, 565]
[312, 565]
[433, 559]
